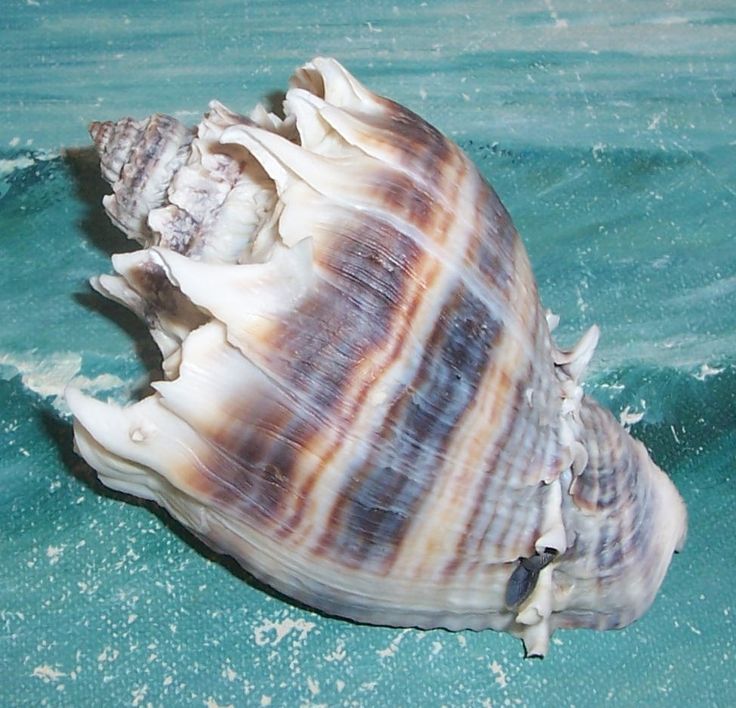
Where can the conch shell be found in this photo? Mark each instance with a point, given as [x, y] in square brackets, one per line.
[362, 402]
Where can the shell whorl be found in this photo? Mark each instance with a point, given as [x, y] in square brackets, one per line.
[362, 401]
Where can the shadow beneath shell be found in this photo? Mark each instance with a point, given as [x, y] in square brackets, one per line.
[135, 329]
[274, 103]
[84, 166]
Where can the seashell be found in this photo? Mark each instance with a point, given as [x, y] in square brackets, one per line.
[362, 402]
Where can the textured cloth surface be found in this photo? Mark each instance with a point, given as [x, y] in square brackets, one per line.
[609, 135]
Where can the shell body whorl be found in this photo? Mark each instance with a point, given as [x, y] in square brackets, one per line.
[362, 401]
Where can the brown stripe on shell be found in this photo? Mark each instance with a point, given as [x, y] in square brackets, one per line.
[365, 385]
[252, 468]
[375, 505]
[162, 298]
[535, 459]
[377, 248]
[617, 494]
[504, 460]
[467, 553]
[610, 471]
[424, 200]
[493, 252]
[349, 318]
[422, 148]
[316, 353]
[401, 196]
[456, 491]
[490, 248]
[417, 280]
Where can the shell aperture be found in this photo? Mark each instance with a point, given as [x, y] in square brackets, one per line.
[362, 402]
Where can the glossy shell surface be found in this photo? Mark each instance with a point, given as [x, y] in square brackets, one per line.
[362, 402]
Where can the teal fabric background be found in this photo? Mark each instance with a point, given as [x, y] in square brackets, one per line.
[608, 131]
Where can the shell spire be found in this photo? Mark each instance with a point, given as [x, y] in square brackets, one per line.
[362, 402]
